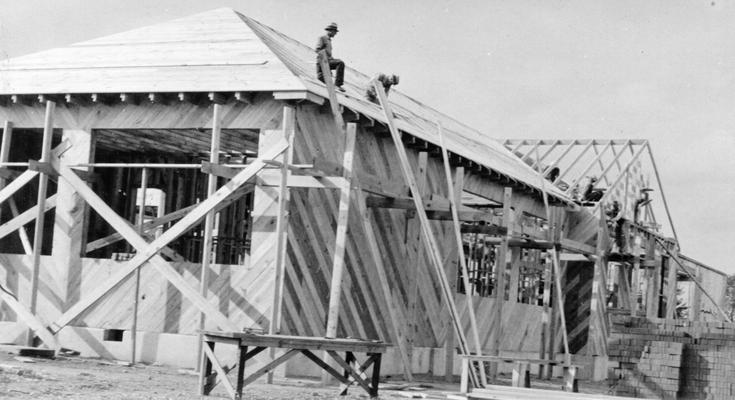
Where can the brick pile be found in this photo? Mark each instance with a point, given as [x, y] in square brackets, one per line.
[644, 368]
[672, 359]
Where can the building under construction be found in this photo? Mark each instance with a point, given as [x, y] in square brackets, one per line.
[195, 175]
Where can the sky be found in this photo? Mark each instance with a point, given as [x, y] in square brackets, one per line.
[657, 70]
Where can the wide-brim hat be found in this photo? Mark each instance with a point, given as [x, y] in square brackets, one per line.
[332, 27]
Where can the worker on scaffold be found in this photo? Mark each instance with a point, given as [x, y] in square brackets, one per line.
[325, 43]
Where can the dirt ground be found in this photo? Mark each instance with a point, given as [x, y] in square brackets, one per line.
[87, 379]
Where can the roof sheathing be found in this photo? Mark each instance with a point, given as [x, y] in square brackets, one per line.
[211, 51]
[411, 116]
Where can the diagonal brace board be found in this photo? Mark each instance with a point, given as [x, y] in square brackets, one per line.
[30, 320]
[149, 251]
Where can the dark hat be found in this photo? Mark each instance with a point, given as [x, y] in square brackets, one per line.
[395, 78]
[332, 27]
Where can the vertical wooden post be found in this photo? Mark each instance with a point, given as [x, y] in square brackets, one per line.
[341, 235]
[696, 297]
[214, 147]
[449, 347]
[415, 257]
[48, 133]
[546, 316]
[671, 286]
[515, 274]
[595, 328]
[500, 264]
[70, 220]
[338, 264]
[653, 267]
[289, 130]
[136, 292]
[635, 282]
[455, 201]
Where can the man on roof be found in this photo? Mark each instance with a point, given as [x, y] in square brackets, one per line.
[325, 44]
[386, 80]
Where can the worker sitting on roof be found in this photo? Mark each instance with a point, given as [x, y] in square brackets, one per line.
[325, 43]
[386, 80]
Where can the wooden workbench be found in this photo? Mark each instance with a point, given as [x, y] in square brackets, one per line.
[250, 344]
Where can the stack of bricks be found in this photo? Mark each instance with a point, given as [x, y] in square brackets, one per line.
[695, 358]
[646, 368]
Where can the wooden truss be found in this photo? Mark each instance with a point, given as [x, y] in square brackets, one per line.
[609, 161]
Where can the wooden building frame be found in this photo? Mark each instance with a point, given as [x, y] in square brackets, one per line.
[355, 213]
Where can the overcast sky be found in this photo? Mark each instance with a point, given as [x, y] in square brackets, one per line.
[657, 70]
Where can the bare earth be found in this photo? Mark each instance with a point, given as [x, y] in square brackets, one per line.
[83, 378]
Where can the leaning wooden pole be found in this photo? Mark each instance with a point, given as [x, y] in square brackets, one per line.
[427, 234]
[661, 189]
[454, 202]
[48, 133]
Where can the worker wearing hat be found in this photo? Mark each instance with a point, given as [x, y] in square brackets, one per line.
[325, 43]
[386, 80]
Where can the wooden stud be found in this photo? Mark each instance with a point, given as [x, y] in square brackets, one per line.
[414, 252]
[48, 133]
[341, 236]
[454, 201]
[500, 266]
[136, 291]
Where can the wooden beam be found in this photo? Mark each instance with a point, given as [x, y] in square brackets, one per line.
[48, 133]
[428, 235]
[29, 319]
[414, 259]
[146, 251]
[25, 217]
[341, 235]
[455, 199]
